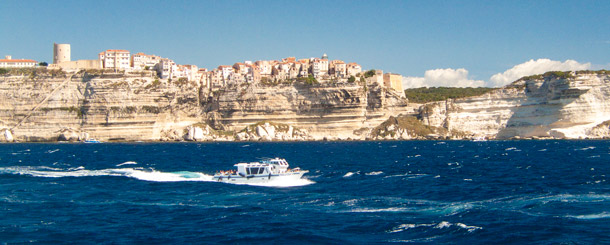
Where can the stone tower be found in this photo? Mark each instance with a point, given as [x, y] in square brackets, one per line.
[61, 53]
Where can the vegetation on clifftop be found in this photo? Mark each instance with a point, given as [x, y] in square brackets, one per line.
[425, 95]
[32, 72]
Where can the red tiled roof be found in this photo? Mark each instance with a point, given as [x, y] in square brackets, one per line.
[15, 61]
[117, 50]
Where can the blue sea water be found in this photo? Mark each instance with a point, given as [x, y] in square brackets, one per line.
[355, 193]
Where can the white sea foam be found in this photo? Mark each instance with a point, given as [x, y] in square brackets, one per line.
[350, 174]
[510, 149]
[470, 228]
[396, 175]
[52, 151]
[441, 225]
[378, 210]
[375, 173]
[603, 215]
[586, 148]
[127, 163]
[404, 227]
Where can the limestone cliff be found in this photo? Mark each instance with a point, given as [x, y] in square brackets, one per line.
[45, 105]
[42, 105]
[331, 111]
[557, 105]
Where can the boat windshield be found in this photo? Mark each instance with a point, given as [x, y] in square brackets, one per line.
[255, 170]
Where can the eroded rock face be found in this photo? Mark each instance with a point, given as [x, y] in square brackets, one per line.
[6, 135]
[537, 108]
[119, 106]
[108, 106]
[324, 111]
[72, 135]
[132, 107]
[266, 131]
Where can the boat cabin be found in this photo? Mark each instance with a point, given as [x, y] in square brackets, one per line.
[279, 164]
[272, 166]
[253, 168]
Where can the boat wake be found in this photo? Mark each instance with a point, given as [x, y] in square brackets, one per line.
[136, 173]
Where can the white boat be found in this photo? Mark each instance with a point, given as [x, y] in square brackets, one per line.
[260, 172]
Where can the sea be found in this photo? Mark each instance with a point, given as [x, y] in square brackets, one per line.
[457, 192]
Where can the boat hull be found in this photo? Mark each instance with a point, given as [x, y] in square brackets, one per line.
[259, 178]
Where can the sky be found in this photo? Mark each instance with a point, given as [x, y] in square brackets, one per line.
[430, 43]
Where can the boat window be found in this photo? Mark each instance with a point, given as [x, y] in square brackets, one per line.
[248, 171]
[254, 170]
[261, 170]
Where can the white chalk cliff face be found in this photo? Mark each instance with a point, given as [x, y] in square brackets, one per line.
[50, 106]
[327, 111]
[573, 106]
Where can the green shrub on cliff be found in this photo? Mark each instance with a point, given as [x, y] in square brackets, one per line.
[562, 74]
[425, 95]
[351, 79]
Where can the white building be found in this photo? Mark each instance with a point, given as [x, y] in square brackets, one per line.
[353, 69]
[185, 71]
[9, 62]
[115, 59]
[226, 71]
[141, 61]
[338, 68]
[264, 67]
[319, 67]
[165, 67]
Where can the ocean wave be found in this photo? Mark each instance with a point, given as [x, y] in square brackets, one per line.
[603, 215]
[586, 148]
[378, 210]
[408, 175]
[350, 174]
[127, 163]
[440, 225]
[375, 173]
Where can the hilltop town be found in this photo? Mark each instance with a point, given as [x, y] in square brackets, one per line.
[311, 70]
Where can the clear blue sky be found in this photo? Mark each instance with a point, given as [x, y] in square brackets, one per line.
[406, 37]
